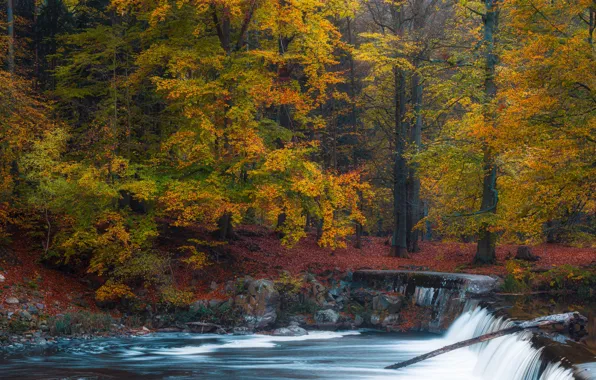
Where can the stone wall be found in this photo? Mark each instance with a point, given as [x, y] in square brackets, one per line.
[389, 300]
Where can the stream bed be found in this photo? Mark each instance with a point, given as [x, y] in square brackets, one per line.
[320, 355]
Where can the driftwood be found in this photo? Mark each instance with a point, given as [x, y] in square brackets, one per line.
[569, 320]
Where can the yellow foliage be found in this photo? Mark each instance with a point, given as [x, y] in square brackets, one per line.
[113, 292]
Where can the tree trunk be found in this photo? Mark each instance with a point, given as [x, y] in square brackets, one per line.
[281, 220]
[485, 252]
[414, 182]
[225, 230]
[10, 33]
[399, 247]
[568, 320]
[358, 242]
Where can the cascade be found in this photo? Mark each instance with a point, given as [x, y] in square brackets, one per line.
[510, 357]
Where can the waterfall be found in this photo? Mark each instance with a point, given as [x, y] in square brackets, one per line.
[511, 357]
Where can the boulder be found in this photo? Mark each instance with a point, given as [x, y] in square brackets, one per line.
[298, 320]
[291, 330]
[327, 316]
[33, 309]
[26, 315]
[260, 305]
[525, 253]
[2, 278]
[375, 319]
[384, 302]
[390, 320]
[12, 300]
[358, 321]
[318, 293]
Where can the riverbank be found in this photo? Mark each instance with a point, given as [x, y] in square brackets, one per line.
[253, 284]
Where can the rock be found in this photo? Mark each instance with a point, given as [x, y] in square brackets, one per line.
[242, 331]
[525, 253]
[12, 300]
[26, 315]
[358, 321]
[384, 302]
[213, 285]
[391, 319]
[260, 305]
[2, 278]
[298, 320]
[375, 319]
[326, 316]
[33, 309]
[290, 331]
[201, 327]
[319, 293]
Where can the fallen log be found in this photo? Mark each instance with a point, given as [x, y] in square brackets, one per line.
[569, 320]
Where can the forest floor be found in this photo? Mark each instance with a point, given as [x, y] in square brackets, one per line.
[258, 252]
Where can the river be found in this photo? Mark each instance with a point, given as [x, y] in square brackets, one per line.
[319, 355]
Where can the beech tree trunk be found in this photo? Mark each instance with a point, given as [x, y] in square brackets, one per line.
[414, 181]
[485, 252]
[567, 319]
[225, 229]
[10, 32]
[399, 246]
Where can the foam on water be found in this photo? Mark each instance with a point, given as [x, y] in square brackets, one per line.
[250, 341]
[509, 357]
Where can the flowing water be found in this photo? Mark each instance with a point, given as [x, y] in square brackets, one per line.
[319, 355]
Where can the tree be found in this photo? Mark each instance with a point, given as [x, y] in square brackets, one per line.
[10, 35]
[487, 239]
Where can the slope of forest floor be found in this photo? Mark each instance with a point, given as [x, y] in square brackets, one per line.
[258, 252]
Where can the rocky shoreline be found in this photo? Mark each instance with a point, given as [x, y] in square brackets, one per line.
[289, 306]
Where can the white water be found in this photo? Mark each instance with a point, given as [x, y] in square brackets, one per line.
[253, 341]
[347, 355]
[509, 357]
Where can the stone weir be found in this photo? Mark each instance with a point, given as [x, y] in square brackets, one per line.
[391, 300]
[443, 296]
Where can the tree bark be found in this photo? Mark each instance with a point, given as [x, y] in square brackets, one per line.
[358, 242]
[225, 230]
[485, 252]
[414, 182]
[10, 33]
[399, 247]
[567, 319]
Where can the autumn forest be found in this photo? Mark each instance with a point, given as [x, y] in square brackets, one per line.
[141, 135]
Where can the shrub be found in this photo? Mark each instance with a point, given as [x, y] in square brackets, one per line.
[519, 277]
[80, 322]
